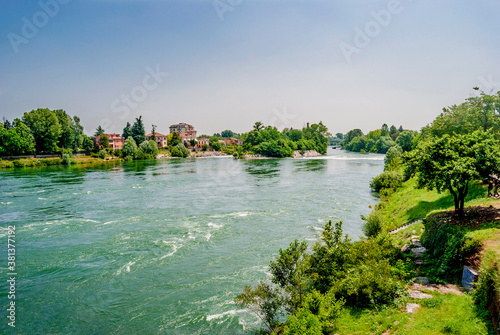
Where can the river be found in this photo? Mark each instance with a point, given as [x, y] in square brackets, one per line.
[164, 246]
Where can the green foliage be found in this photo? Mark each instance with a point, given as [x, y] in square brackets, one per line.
[448, 247]
[383, 144]
[387, 180]
[393, 152]
[180, 150]
[99, 131]
[67, 136]
[487, 288]
[264, 301]
[228, 134]
[102, 154]
[104, 141]
[17, 140]
[45, 128]
[373, 225]
[452, 162]
[138, 132]
[149, 148]
[129, 148]
[405, 139]
[87, 144]
[127, 131]
[66, 158]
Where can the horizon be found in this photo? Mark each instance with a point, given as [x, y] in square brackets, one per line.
[227, 64]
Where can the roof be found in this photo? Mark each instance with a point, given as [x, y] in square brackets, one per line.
[186, 135]
[181, 124]
[156, 134]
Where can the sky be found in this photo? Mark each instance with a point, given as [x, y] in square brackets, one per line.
[225, 64]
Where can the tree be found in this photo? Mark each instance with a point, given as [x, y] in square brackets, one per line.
[392, 153]
[153, 133]
[67, 135]
[404, 139]
[87, 143]
[173, 139]
[78, 133]
[383, 144]
[129, 148]
[6, 123]
[452, 162]
[192, 142]
[340, 136]
[45, 129]
[400, 128]
[138, 132]
[104, 141]
[385, 129]
[99, 130]
[180, 150]
[351, 135]
[258, 126]
[17, 140]
[127, 131]
[227, 134]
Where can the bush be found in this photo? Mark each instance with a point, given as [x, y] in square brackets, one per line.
[373, 224]
[448, 247]
[393, 152]
[66, 158]
[102, 153]
[180, 150]
[387, 180]
[129, 148]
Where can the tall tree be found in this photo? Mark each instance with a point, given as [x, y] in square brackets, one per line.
[153, 132]
[99, 130]
[67, 136]
[138, 132]
[385, 129]
[227, 133]
[44, 127]
[17, 140]
[78, 133]
[127, 131]
[258, 126]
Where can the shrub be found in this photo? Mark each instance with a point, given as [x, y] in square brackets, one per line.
[102, 154]
[66, 158]
[393, 152]
[129, 148]
[388, 180]
[180, 150]
[373, 224]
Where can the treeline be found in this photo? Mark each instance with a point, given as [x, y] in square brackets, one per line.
[42, 131]
[269, 141]
[379, 140]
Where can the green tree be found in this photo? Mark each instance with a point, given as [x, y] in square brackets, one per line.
[99, 130]
[153, 133]
[78, 133]
[173, 139]
[87, 144]
[383, 144]
[258, 126]
[127, 131]
[405, 138]
[138, 132]
[351, 135]
[67, 134]
[452, 162]
[392, 153]
[129, 148]
[385, 130]
[45, 129]
[340, 136]
[180, 150]
[104, 141]
[17, 140]
[227, 134]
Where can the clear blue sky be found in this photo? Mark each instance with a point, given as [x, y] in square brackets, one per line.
[280, 62]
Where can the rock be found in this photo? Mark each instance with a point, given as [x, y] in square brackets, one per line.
[307, 153]
[419, 295]
[416, 243]
[419, 262]
[405, 248]
[415, 237]
[418, 251]
[421, 280]
[412, 308]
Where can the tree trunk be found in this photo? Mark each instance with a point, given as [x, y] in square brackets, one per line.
[456, 199]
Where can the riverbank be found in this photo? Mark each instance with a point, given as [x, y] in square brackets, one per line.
[38, 162]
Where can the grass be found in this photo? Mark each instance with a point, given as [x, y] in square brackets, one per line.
[443, 314]
[34, 162]
[409, 203]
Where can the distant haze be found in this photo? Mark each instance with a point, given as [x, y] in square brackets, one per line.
[351, 63]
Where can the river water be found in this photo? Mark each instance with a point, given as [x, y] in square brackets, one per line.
[164, 246]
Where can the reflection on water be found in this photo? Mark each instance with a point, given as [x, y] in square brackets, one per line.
[311, 165]
[263, 168]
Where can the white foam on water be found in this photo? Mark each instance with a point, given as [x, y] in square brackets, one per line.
[126, 267]
[109, 222]
[348, 158]
[176, 245]
[88, 192]
[218, 316]
[208, 236]
[216, 226]
[42, 198]
[6, 203]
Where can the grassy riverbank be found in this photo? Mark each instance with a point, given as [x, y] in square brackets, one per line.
[35, 162]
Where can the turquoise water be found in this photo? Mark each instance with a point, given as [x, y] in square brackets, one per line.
[163, 247]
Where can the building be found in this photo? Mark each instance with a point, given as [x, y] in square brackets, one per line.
[203, 140]
[187, 137]
[161, 139]
[116, 141]
[232, 140]
[180, 128]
